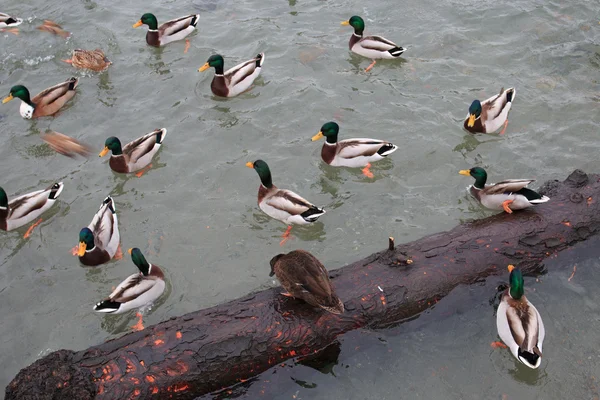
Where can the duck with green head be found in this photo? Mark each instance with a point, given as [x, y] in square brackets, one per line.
[235, 80]
[46, 103]
[373, 47]
[353, 153]
[99, 241]
[490, 115]
[25, 208]
[519, 323]
[281, 204]
[136, 155]
[507, 195]
[170, 31]
[138, 291]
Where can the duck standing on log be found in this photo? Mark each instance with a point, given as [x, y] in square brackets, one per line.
[304, 277]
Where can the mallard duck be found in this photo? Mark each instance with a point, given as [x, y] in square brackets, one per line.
[99, 242]
[135, 155]
[490, 115]
[25, 208]
[235, 80]
[351, 152]
[519, 323]
[304, 277]
[283, 205]
[46, 103]
[94, 60]
[373, 47]
[9, 24]
[66, 145]
[508, 195]
[138, 291]
[170, 31]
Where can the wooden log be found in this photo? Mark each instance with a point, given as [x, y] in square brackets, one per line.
[210, 349]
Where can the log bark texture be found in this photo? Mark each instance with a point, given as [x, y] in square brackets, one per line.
[210, 349]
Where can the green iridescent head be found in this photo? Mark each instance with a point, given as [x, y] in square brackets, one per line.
[216, 61]
[263, 171]
[139, 260]
[19, 92]
[147, 19]
[516, 282]
[330, 130]
[357, 23]
[112, 144]
[86, 241]
[478, 173]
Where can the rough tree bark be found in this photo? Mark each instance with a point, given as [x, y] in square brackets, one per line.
[207, 350]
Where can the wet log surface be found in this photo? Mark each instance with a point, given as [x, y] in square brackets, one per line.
[207, 350]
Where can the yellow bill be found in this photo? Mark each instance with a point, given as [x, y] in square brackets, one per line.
[317, 136]
[138, 24]
[465, 172]
[129, 251]
[510, 268]
[7, 99]
[345, 23]
[471, 120]
[204, 67]
[82, 247]
[250, 164]
[103, 152]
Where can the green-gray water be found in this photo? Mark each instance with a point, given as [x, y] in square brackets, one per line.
[195, 213]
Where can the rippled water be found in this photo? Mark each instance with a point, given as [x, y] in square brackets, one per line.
[195, 213]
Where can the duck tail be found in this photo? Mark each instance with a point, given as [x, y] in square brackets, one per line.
[195, 19]
[111, 204]
[107, 306]
[260, 59]
[532, 360]
[312, 214]
[397, 51]
[55, 190]
[387, 149]
[160, 135]
[72, 83]
[542, 199]
[510, 94]
[336, 306]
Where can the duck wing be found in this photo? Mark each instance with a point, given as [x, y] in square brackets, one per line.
[50, 95]
[288, 201]
[351, 148]
[506, 186]
[140, 146]
[377, 43]
[174, 26]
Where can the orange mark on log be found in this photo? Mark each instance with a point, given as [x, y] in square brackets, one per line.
[178, 335]
[135, 381]
[136, 392]
[154, 390]
[100, 389]
[180, 387]
[292, 353]
[566, 223]
[142, 363]
[573, 273]
[130, 366]
[589, 200]
[150, 378]
[158, 342]
[279, 334]
[363, 298]
[382, 298]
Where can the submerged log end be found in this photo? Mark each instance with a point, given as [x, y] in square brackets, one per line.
[391, 244]
[54, 376]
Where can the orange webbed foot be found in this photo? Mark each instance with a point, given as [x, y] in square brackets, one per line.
[139, 325]
[143, 171]
[28, 233]
[371, 66]
[187, 46]
[286, 236]
[366, 172]
[504, 129]
[496, 345]
[69, 61]
[506, 204]
[119, 253]
[14, 31]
